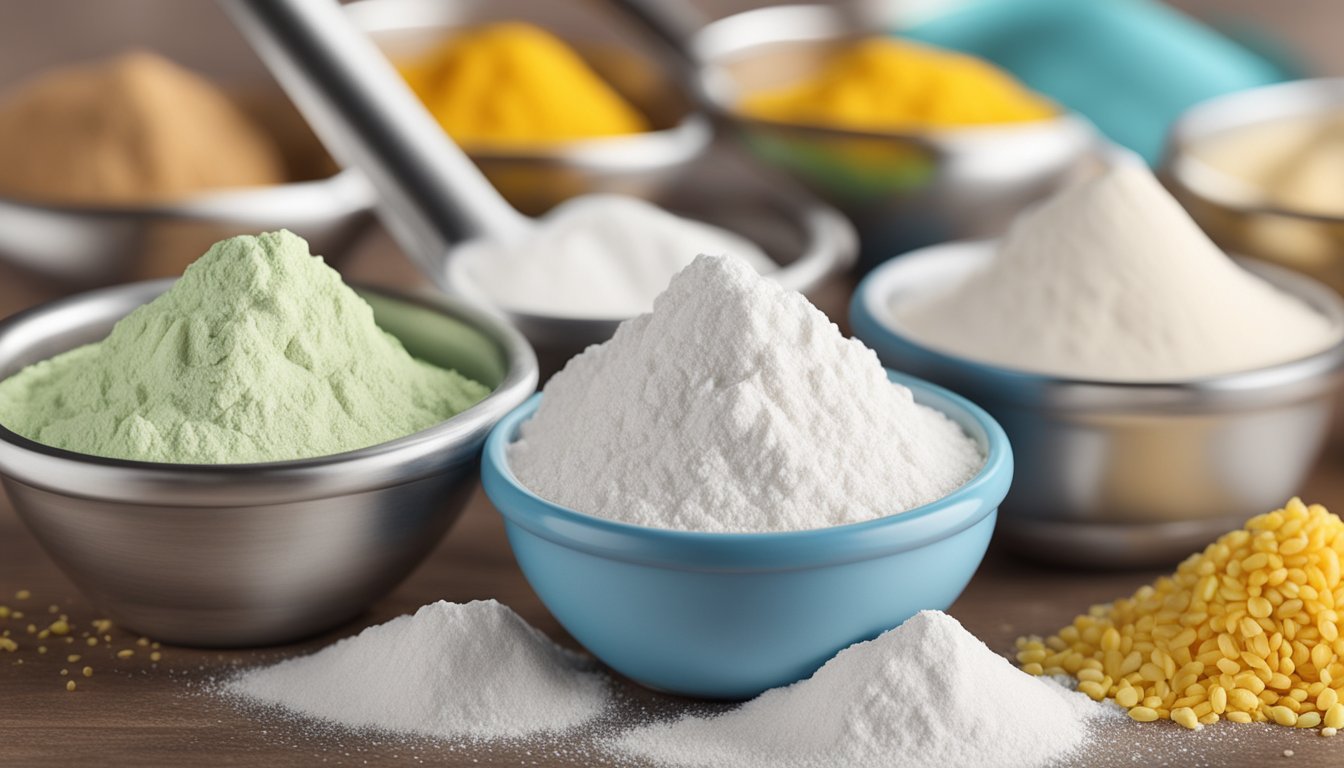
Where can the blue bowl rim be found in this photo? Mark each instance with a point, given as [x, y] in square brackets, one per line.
[956, 512]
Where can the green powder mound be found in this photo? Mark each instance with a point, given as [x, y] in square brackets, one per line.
[258, 353]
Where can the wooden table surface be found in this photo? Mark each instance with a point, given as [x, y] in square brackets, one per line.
[136, 712]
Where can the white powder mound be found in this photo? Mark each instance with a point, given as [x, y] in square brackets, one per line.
[597, 256]
[451, 671]
[736, 406]
[1112, 280]
[927, 693]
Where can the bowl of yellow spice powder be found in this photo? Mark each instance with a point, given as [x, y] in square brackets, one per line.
[116, 168]
[916, 144]
[550, 100]
[255, 452]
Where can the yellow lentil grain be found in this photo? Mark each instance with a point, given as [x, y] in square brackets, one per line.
[1218, 699]
[1327, 698]
[4, 611]
[59, 627]
[1334, 716]
[1143, 714]
[1239, 717]
[1032, 668]
[125, 653]
[1308, 719]
[72, 658]
[142, 642]
[1329, 731]
[92, 641]
[1127, 697]
[87, 671]
[70, 685]
[1184, 717]
[1283, 715]
[22, 594]
[155, 656]
[1093, 690]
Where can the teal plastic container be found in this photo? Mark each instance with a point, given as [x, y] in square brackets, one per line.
[1130, 66]
[727, 616]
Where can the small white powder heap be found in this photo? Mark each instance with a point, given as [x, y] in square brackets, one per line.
[927, 693]
[464, 671]
[736, 406]
[597, 256]
[1111, 280]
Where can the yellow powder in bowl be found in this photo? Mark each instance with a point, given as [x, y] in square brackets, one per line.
[133, 129]
[881, 84]
[513, 83]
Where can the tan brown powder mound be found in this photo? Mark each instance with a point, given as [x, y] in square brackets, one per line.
[133, 129]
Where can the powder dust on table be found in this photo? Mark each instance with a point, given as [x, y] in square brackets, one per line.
[1111, 279]
[926, 694]
[258, 353]
[133, 129]
[736, 406]
[451, 671]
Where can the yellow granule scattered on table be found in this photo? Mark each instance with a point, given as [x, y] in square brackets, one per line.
[1246, 630]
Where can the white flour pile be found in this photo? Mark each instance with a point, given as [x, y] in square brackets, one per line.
[451, 671]
[927, 693]
[1111, 280]
[597, 256]
[736, 406]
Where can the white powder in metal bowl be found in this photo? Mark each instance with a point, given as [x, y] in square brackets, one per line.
[596, 256]
[927, 693]
[736, 406]
[450, 671]
[1111, 279]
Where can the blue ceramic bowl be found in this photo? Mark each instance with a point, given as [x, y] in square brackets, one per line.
[727, 616]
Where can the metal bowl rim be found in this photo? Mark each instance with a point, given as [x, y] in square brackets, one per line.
[343, 193]
[339, 473]
[870, 299]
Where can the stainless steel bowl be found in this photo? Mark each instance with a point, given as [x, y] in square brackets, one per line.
[536, 179]
[1233, 214]
[1124, 474]
[98, 245]
[902, 190]
[236, 555]
[809, 240]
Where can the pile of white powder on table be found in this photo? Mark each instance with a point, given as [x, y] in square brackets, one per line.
[450, 671]
[596, 256]
[1112, 280]
[736, 406]
[927, 693]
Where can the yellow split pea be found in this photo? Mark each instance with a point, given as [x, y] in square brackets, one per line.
[1247, 630]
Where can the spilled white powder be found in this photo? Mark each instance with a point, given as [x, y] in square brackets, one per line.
[927, 693]
[736, 406]
[1112, 280]
[597, 256]
[450, 671]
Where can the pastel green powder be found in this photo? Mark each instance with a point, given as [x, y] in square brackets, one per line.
[258, 353]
